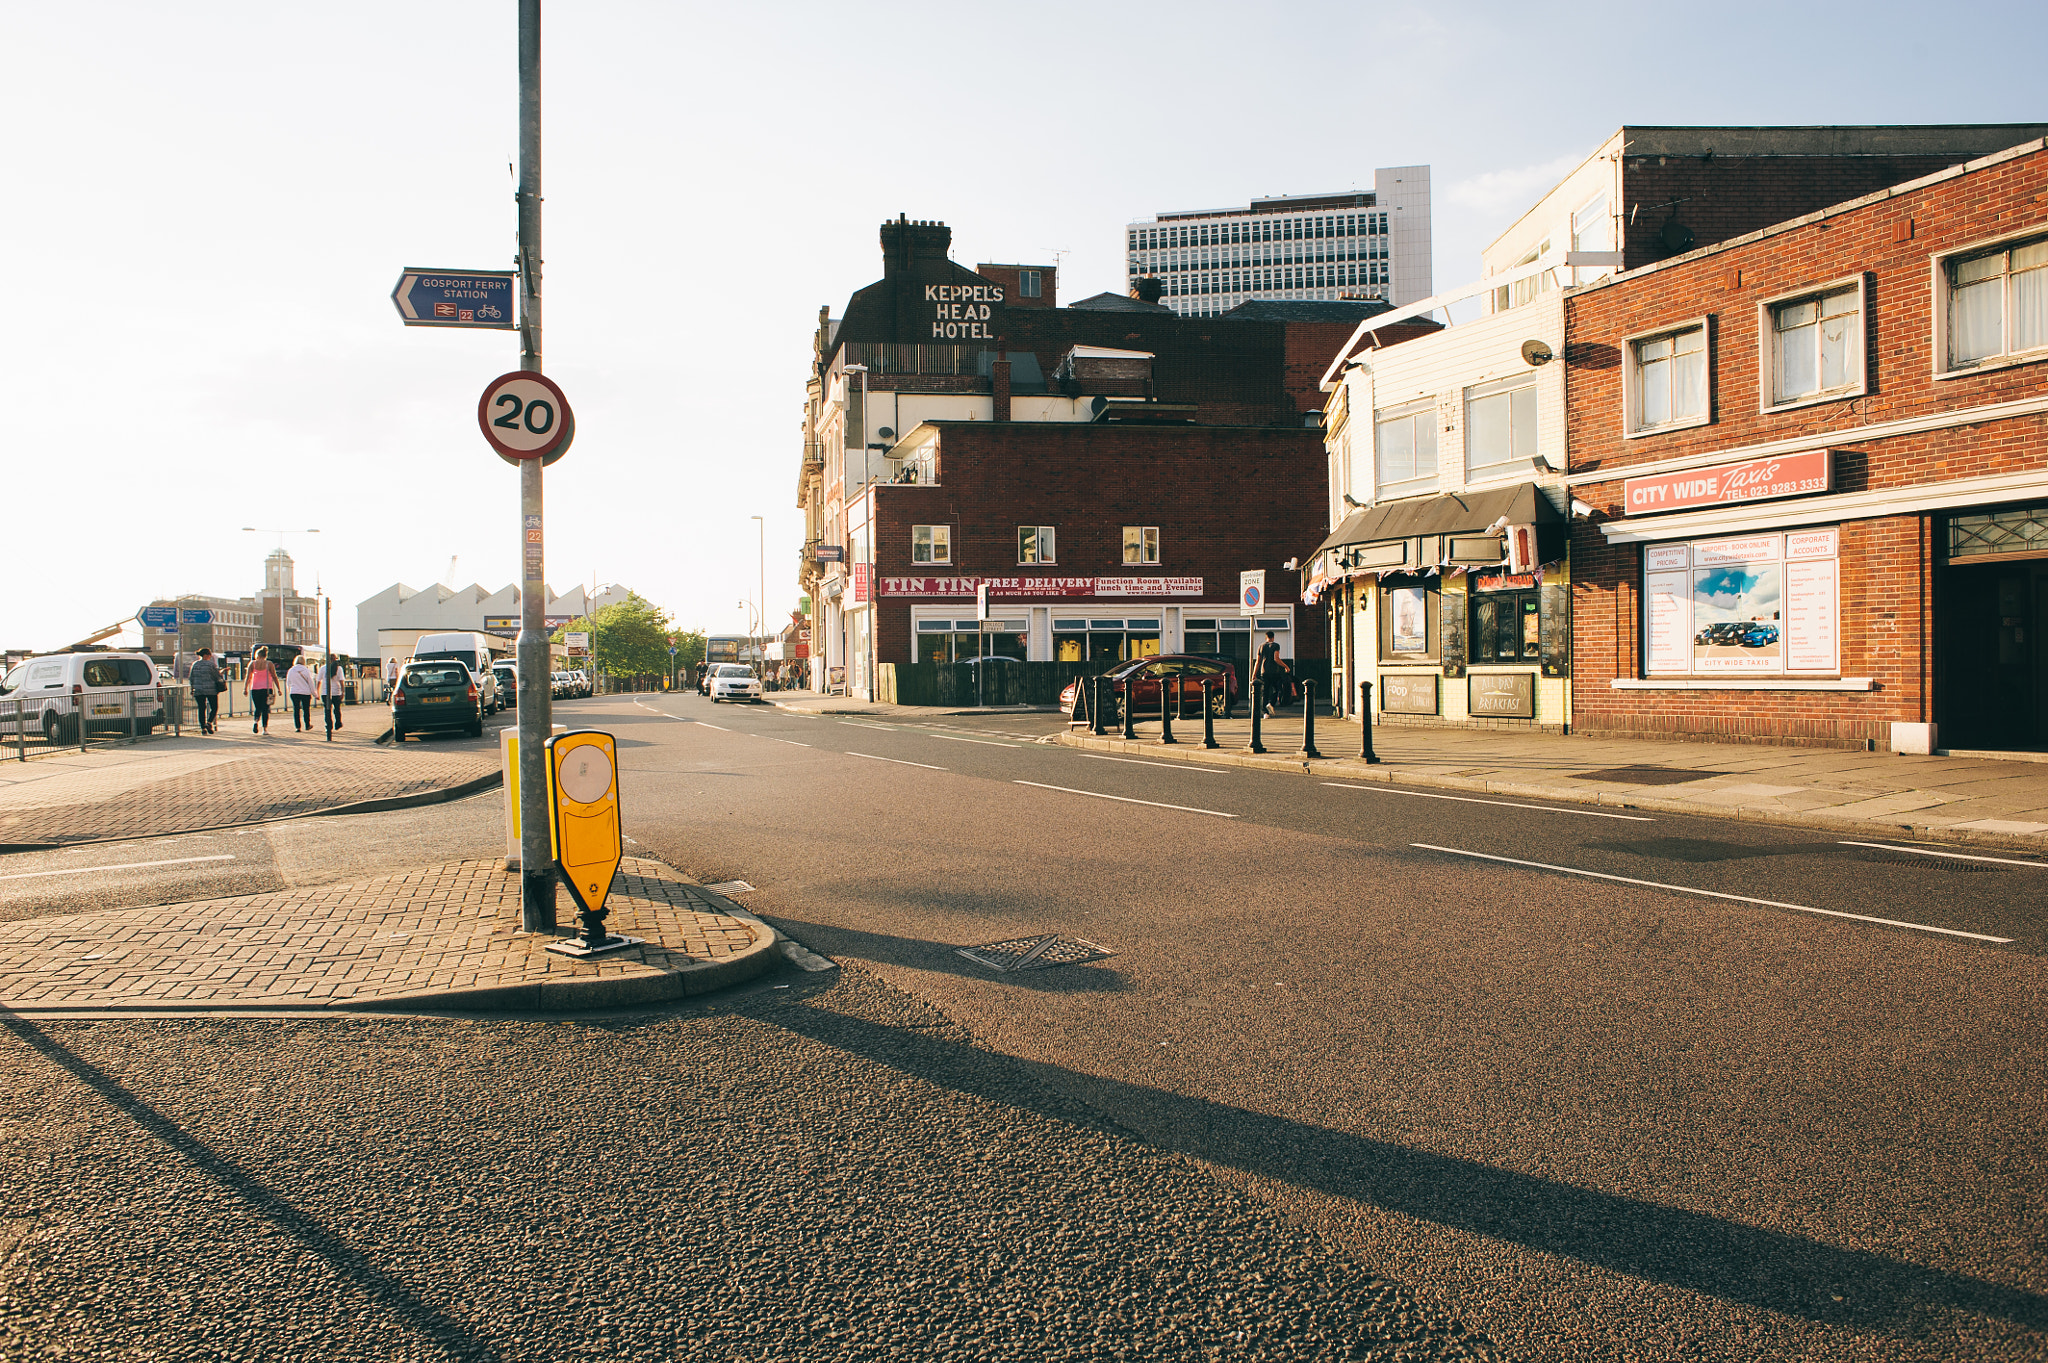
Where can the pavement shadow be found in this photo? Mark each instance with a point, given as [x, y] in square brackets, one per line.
[345, 1261]
[1097, 977]
[1738, 1263]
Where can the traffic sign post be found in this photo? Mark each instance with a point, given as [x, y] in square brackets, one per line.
[456, 298]
[584, 833]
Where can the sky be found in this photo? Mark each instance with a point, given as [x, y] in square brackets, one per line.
[204, 208]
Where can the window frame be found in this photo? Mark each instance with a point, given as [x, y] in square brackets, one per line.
[1631, 379]
[1519, 597]
[1407, 411]
[1505, 468]
[1939, 266]
[1767, 343]
[1145, 532]
[1045, 533]
[947, 528]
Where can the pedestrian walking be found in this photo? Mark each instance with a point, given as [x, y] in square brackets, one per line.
[206, 688]
[1267, 674]
[332, 685]
[262, 683]
[300, 682]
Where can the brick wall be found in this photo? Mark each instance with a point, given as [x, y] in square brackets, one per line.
[1888, 562]
[1224, 500]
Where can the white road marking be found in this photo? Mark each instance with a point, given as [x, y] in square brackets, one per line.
[792, 743]
[856, 724]
[720, 727]
[121, 866]
[1716, 894]
[897, 760]
[1171, 766]
[1958, 856]
[1475, 800]
[985, 742]
[1125, 799]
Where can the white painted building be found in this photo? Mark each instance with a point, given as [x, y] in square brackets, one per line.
[1313, 247]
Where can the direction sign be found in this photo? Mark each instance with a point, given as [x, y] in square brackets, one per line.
[456, 298]
[524, 415]
[158, 617]
[196, 617]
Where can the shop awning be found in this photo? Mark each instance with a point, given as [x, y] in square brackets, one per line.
[1458, 513]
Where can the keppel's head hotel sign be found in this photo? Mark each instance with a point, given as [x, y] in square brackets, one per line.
[1753, 480]
[962, 312]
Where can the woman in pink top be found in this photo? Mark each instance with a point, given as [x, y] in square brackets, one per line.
[262, 684]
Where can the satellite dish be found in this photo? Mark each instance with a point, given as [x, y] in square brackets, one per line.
[886, 433]
[1675, 237]
[1535, 353]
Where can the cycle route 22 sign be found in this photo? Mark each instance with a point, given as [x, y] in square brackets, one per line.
[456, 298]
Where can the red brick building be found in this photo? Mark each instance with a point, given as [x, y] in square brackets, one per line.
[1816, 458]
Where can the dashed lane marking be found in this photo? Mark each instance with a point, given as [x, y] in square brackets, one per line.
[1958, 856]
[856, 724]
[897, 760]
[1716, 894]
[1170, 766]
[955, 738]
[1125, 799]
[1475, 800]
[122, 866]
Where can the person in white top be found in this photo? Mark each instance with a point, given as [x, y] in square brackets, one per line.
[300, 682]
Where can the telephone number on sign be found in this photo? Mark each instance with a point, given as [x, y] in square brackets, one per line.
[1752, 494]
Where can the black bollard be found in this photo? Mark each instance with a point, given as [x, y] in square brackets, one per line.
[1208, 715]
[1365, 751]
[1166, 708]
[1130, 717]
[1308, 720]
[1257, 710]
[1096, 724]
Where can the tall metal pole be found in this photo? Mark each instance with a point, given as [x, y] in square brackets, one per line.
[536, 712]
[761, 640]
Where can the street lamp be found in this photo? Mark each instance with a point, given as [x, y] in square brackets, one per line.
[761, 640]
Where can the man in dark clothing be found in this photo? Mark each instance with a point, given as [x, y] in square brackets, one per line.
[1268, 674]
[206, 688]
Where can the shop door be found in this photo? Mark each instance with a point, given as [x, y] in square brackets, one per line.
[1992, 683]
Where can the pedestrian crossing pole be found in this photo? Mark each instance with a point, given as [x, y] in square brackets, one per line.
[536, 856]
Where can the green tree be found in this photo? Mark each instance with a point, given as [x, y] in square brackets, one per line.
[628, 638]
[689, 646]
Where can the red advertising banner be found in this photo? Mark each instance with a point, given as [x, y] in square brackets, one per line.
[1753, 480]
[861, 596]
[1053, 587]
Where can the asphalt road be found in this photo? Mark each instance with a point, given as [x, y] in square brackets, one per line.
[1359, 1080]
[1560, 1072]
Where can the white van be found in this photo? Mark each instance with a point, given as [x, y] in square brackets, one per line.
[474, 651]
[57, 691]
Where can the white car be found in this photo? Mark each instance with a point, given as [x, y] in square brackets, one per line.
[58, 691]
[732, 681]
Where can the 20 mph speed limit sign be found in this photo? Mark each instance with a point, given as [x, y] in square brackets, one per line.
[524, 415]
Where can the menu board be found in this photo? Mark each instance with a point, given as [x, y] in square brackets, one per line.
[1667, 611]
[1812, 632]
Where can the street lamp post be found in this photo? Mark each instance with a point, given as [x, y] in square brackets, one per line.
[761, 640]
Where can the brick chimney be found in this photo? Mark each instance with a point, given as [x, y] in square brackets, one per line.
[905, 242]
[999, 380]
[1148, 289]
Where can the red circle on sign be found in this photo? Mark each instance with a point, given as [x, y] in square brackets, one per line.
[568, 439]
[510, 415]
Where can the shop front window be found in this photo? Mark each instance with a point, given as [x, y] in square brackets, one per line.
[1748, 605]
[1506, 621]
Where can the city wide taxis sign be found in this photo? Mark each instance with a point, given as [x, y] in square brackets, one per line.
[583, 814]
[1752, 480]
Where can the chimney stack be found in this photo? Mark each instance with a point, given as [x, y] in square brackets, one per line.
[1148, 289]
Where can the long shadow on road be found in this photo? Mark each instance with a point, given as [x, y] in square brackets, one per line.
[1691, 1250]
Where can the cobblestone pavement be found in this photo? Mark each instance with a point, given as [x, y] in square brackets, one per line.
[448, 932]
[216, 782]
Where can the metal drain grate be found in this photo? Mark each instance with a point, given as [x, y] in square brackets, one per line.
[1645, 776]
[1931, 863]
[1034, 953]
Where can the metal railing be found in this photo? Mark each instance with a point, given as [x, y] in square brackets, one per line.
[41, 724]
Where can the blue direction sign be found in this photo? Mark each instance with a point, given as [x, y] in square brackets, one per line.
[456, 298]
[196, 617]
[158, 617]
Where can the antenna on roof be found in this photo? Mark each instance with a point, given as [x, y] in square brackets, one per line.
[1056, 252]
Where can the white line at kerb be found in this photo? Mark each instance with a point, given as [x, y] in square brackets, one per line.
[897, 760]
[1125, 799]
[1171, 766]
[121, 866]
[955, 738]
[1475, 800]
[1958, 856]
[1716, 894]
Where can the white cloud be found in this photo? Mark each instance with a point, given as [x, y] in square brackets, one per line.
[1501, 196]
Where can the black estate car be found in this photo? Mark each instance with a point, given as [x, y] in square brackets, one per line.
[437, 694]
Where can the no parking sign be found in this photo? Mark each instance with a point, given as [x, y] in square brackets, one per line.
[1251, 591]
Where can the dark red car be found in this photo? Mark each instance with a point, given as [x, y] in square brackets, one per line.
[1171, 675]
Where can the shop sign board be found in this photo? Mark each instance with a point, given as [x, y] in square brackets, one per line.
[1502, 695]
[1055, 587]
[861, 592]
[829, 553]
[963, 312]
[1752, 480]
[1408, 693]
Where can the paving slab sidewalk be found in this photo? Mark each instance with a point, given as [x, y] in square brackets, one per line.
[1960, 799]
[438, 937]
[184, 784]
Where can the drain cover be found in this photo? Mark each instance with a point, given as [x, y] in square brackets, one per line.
[1034, 953]
[1930, 863]
[1645, 776]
